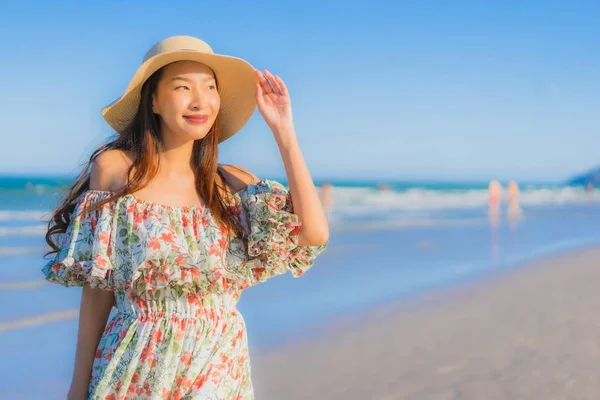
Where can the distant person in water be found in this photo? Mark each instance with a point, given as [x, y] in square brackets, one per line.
[494, 199]
[383, 187]
[327, 199]
[514, 208]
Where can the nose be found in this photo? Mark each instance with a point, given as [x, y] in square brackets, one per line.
[198, 100]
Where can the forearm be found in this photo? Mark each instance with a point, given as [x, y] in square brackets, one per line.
[93, 314]
[307, 205]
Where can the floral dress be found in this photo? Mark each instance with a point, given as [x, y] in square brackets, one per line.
[175, 332]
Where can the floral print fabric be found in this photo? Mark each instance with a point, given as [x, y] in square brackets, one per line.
[175, 331]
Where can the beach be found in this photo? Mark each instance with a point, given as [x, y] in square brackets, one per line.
[417, 296]
[461, 191]
[527, 333]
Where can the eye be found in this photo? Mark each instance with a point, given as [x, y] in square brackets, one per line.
[212, 87]
[182, 87]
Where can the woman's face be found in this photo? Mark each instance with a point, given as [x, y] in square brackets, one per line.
[186, 100]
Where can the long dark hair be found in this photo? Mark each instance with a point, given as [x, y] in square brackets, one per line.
[142, 140]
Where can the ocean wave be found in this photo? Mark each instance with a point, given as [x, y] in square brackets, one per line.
[368, 202]
[29, 215]
[364, 201]
[20, 250]
[23, 231]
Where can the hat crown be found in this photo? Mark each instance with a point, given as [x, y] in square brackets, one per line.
[178, 43]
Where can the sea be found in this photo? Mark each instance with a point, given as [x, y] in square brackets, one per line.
[387, 242]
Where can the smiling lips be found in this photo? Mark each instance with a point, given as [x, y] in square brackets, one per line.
[196, 119]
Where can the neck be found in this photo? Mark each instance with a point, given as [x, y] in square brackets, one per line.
[176, 156]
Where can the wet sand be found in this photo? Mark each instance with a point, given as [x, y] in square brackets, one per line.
[527, 333]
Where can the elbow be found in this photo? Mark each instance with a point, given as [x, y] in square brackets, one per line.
[316, 238]
[323, 237]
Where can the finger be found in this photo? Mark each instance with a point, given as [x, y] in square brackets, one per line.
[259, 94]
[282, 85]
[273, 82]
[263, 82]
[270, 82]
[266, 88]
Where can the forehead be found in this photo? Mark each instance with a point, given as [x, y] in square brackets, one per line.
[186, 68]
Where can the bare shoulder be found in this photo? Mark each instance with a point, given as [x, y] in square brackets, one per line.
[236, 177]
[109, 170]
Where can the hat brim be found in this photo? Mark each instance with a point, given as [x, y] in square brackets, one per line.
[236, 85]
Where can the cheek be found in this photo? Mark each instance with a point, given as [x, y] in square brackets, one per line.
[215, 102]
[178, 103]
[171, 106]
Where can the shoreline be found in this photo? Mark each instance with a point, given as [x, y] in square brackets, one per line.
[414, 301]
[524, 332]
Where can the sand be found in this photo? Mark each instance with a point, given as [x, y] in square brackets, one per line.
[529, 333]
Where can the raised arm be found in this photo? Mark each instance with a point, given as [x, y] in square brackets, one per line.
[275, 106]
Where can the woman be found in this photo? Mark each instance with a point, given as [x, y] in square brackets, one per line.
[170, 238]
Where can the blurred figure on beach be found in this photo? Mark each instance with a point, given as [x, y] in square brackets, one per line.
[513, 207]
[494, 199]
[327, 199]
[589, 191]
[383, 187]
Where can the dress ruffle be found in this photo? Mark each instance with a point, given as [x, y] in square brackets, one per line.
[124, 245]
[272, 233]
[86, 253]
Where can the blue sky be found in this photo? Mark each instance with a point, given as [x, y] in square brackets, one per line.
[384, 90]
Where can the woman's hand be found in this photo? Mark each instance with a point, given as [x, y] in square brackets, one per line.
[275, 106]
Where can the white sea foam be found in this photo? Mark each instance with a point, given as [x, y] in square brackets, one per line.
[416, 204]
[363, 201]
[20, 250]
[30, 215]
[37, 230]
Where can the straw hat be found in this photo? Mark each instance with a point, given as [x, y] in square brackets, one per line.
[235, 79]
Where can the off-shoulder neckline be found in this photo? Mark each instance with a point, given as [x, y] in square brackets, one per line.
[148, 203]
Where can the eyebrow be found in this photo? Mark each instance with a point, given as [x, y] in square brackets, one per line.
[181, 78]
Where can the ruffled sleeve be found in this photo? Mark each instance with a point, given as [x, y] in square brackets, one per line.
[86, 253]
[269, 245]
